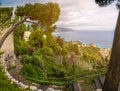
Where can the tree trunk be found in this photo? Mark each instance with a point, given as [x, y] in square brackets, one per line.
[113, 75]
[9, 32]
[13, 27]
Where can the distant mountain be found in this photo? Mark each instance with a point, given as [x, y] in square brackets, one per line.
[61, 29]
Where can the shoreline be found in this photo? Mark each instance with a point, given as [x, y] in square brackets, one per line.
[99, 38]
[88, 44]
[105, 52]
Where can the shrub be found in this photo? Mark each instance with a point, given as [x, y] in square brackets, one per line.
[32, 71]
[26, 59]
[35, 60]
[47, 53]
[5, 84]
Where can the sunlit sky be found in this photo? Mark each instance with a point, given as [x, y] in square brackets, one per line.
[79, 14]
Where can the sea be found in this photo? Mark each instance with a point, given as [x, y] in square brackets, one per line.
[103, 39]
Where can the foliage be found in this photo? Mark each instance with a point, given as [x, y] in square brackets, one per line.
[52, 57]
[32, 71]
[26, 59]
[74, 47]
[5, 84]
[47, 14]
[37, 39]
[47, 53]
[1, 53]
[21, 47]
[5, 17]
[93, 56]
[58, 60]
[60, 41]
[19, 31]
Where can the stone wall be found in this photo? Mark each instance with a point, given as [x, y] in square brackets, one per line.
[8, 45]
[8, 49]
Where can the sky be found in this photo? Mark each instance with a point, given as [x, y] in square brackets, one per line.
[79, 14]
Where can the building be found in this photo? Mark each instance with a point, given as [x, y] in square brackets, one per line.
[27, 35]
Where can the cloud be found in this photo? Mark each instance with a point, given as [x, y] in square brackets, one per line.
[85, 15]
[80, 14]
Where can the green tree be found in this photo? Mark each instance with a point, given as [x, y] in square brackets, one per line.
[5, 18]
[47, 53]
[60, 41]
[29, 27]
[112, 80]
[74, 47]
[19, 31]
[20, 45]
[45, 15]
[93, 56]
[36, 38]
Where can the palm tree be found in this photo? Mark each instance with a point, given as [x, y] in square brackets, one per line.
[112, 81]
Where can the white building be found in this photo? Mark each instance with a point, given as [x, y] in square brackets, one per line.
[27, 35]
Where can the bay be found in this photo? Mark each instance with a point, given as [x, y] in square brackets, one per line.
[102, 39]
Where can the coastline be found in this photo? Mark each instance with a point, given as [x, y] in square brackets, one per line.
[105, 52]
[99, 38]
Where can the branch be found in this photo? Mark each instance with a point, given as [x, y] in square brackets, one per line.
[12, 29]
[32, 22]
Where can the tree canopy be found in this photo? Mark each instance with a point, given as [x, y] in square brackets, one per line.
[46, 14]
[5, 17]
